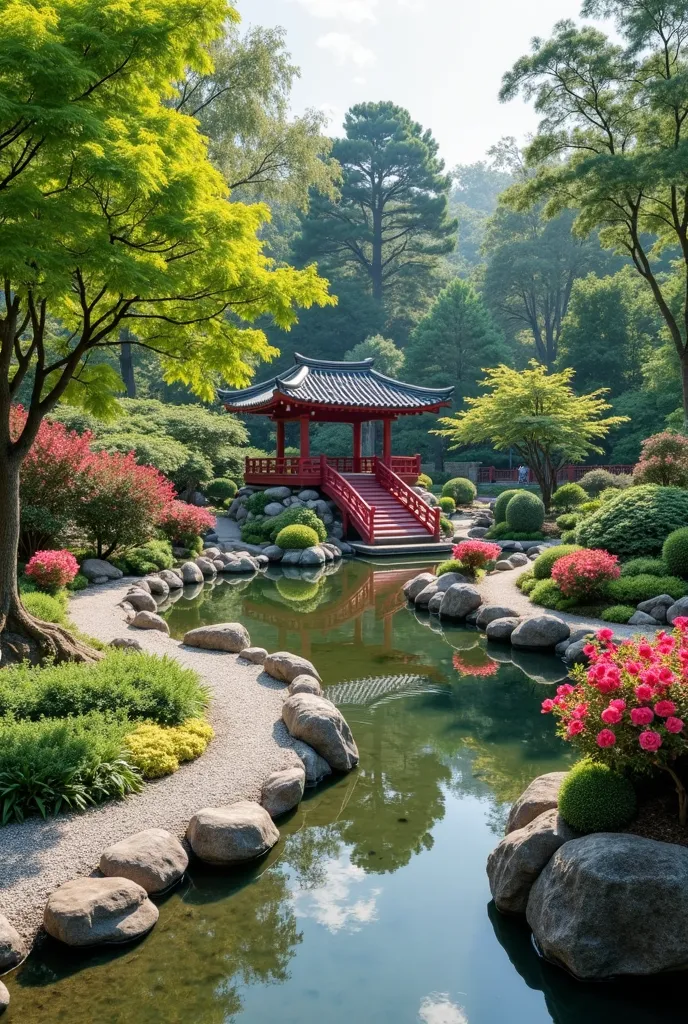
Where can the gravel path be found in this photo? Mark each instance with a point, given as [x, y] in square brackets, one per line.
[250, 742]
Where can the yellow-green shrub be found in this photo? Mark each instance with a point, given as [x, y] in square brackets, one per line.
[158, 750]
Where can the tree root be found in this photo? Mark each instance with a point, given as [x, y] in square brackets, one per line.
[25, 638]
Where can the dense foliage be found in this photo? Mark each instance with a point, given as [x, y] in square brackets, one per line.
[597, 480]
[51, 570]
[637, 522]
[584, 575]
[663, 460]
[675, 552]
[525, 512]
[296, 537]
[594, 798]
[568, 496]
[543, 564]
[476, 554]
[462, 490]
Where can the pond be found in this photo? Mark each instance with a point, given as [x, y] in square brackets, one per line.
[374, 906]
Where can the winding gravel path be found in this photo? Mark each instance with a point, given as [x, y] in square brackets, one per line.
[250, 742]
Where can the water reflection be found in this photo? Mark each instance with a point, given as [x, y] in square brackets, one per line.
[372, 905]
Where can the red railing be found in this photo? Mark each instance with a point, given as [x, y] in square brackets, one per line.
[291, 465]
[429, 517]
[361, 514]
[264, 470]
[347, 464]
[493, 475]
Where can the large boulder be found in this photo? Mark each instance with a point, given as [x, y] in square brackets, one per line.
[283, 790]
[541, 795]
[154, 859]
[273, 553]
[206, 566]
[320, 724]
[240, 564]
[308, 495]
[315, 766]
[149, 620]
[501, 630]
[518, 859]
[613, 904]
[286, 667]
[172, 578]
[657, 607]
[440, 585]
[489, 612]
[278, 493]
[96, 568]
[191, 573]
[540, 632]
[12, 948]
[642, 619]
[459, 600]
[90, 911]
[224, 636]
[413, 588]
[233, 834]
[141, 601]
[679, 607]
[312, 556]
[157, 585]
[274, 508]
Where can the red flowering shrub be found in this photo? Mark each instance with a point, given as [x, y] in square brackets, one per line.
[475, 554]
[182, 522]
[583, 574]
[629, 707]
[663, 460]
[124, 504]
[474, 664]
[52, 569]
[54, 478]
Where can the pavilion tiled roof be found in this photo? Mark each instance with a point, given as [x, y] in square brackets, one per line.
[323, 382]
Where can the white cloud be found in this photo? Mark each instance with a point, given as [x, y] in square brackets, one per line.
[346, 50]
[359, 80]
[439, 1009]
[345, 10]
[332, 904]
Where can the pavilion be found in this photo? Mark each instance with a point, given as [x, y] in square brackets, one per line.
[373, 493]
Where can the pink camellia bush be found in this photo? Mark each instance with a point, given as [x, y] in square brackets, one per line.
[663, 460]
[629, 707]
[51, 570]
[583, 574]
[476, 554]
[182, 522]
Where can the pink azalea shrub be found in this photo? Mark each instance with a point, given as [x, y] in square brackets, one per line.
[629, 707]
[51, 570]
[663, 460]
[182, 522]
[583, 574]
[476, 554]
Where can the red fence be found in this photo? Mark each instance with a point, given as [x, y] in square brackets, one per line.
[492, 475]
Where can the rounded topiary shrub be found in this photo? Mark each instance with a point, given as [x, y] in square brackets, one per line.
[451, 565]
[568, 496]
[424, 481]
[593, 798]
[461, 489]
[296, 538]
[525, 512]
[637, 522]
[618, 613]
[568, 521]
[597, 480]
[542, 566]
[220, 489]
[448, 505]
[501, 504]
[675, 552]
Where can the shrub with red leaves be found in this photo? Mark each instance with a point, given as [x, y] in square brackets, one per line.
[583, 574]
[51, 570]
[663, 460]
[476, 554]
[183, 523]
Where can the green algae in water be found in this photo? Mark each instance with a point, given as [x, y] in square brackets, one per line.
[374, 905]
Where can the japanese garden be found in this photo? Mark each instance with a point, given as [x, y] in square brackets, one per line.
[343, 511]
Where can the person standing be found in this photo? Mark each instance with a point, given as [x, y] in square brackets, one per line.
[523, 474]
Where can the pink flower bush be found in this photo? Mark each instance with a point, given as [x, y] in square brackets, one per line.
[476, 554]
[663, 460]
[629, 706]
[52, 569]
[583, 574]
[182, 522]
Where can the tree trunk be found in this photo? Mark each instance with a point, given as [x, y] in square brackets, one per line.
[376, 267]
[126, 364]
[684, 386]
[22, 637]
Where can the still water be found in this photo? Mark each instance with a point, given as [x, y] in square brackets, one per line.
[374, 906]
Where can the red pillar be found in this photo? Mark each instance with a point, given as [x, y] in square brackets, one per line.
[387, 442]
[280, 439]
[305, 439]
[357, 447]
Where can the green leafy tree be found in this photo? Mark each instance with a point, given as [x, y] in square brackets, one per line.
[391, 222]
[472, 200]
[388, 358]
[612, 139]
[112, 216]
[537, 414]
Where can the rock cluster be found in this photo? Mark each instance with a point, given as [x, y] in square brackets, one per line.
[285, 497]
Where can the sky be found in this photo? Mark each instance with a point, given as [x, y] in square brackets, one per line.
[441, 59]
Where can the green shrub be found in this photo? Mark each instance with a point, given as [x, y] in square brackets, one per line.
[542, 566]
[568, 537]
[645, 567]
[529, 583]
[221, 489]
[547, 594]
[501, 504]
[78, 583]
[424, 481]
[446, 527]
[629, 589]
[525, 512]
[48, 607]
[142, 686]
[258, 502]
[568, 521]
[568, 497]
[451, 565]
[502, 531]
[147, 558]
[296, 538]
[293, 517]
[618, 613]
[589, 507]
[597, 480]
[637, 522]
[608, 494]
[250, 534]
[460, 489]
[157, 750]
[52, 765]
[675, 552]
[593, 798]
[524, 579]
[448, 505]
